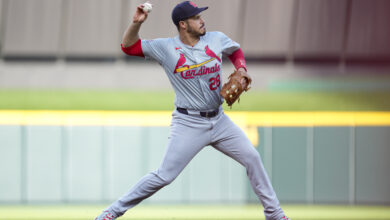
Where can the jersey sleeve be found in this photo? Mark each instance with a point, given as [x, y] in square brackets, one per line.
[155, 49]
[227, 44]
[133, 50]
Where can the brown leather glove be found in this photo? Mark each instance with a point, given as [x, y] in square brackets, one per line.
[232, 90]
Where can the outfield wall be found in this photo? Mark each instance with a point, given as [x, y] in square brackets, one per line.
[311, 157]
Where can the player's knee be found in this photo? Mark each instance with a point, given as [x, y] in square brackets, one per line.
[165, 177]
[165, 180]
[255, 156]
[252, 157]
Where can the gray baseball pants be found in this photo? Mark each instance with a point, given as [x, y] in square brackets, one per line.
[190, 134]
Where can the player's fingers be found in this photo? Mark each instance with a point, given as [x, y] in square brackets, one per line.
[140, 16]
[140, 9]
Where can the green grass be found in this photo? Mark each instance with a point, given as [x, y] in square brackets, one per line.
[163, 100]
[195, 212]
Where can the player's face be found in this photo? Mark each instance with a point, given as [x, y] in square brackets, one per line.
[196, 26]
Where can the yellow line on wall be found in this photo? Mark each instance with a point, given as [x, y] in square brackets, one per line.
[163, 118]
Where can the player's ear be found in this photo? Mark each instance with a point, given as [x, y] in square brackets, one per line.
[183, 25]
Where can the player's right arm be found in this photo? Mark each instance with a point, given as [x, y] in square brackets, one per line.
[132, 45]
[131, 36]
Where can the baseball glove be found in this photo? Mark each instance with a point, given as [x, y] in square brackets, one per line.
[232, 90]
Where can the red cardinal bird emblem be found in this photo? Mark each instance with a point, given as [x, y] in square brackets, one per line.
[180, 62]
[210, 53]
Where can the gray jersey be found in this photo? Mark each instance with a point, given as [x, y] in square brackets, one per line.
[194, 72]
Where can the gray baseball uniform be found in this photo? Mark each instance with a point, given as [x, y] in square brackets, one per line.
[198, 121]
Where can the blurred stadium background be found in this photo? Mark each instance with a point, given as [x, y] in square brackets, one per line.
[80, 122]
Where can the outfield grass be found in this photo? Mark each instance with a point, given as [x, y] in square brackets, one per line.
[191, 212]
[163, 100]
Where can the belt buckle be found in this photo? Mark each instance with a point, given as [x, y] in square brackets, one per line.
[209, 114]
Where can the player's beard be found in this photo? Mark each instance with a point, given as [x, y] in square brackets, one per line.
[196, 33]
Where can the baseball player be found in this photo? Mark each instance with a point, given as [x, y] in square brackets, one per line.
[192, 61]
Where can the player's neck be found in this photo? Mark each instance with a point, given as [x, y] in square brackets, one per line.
[189, 39]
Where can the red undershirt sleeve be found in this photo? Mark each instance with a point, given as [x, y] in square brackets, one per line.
[238, 59]
[134, 50]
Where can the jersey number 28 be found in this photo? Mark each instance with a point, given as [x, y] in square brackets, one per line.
[215, 82]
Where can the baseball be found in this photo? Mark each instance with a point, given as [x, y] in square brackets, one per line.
[147, 7]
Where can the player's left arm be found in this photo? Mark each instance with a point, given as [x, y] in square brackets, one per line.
[238, 60]
[233, 51]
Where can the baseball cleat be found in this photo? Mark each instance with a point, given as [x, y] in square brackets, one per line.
[106, 215]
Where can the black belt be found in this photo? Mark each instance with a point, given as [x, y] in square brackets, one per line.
[209, 114]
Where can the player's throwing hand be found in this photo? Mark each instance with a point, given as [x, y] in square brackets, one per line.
[140, 15]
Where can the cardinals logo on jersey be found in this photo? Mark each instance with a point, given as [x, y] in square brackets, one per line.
[189, 72]
[210, 53]
[180, 63]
